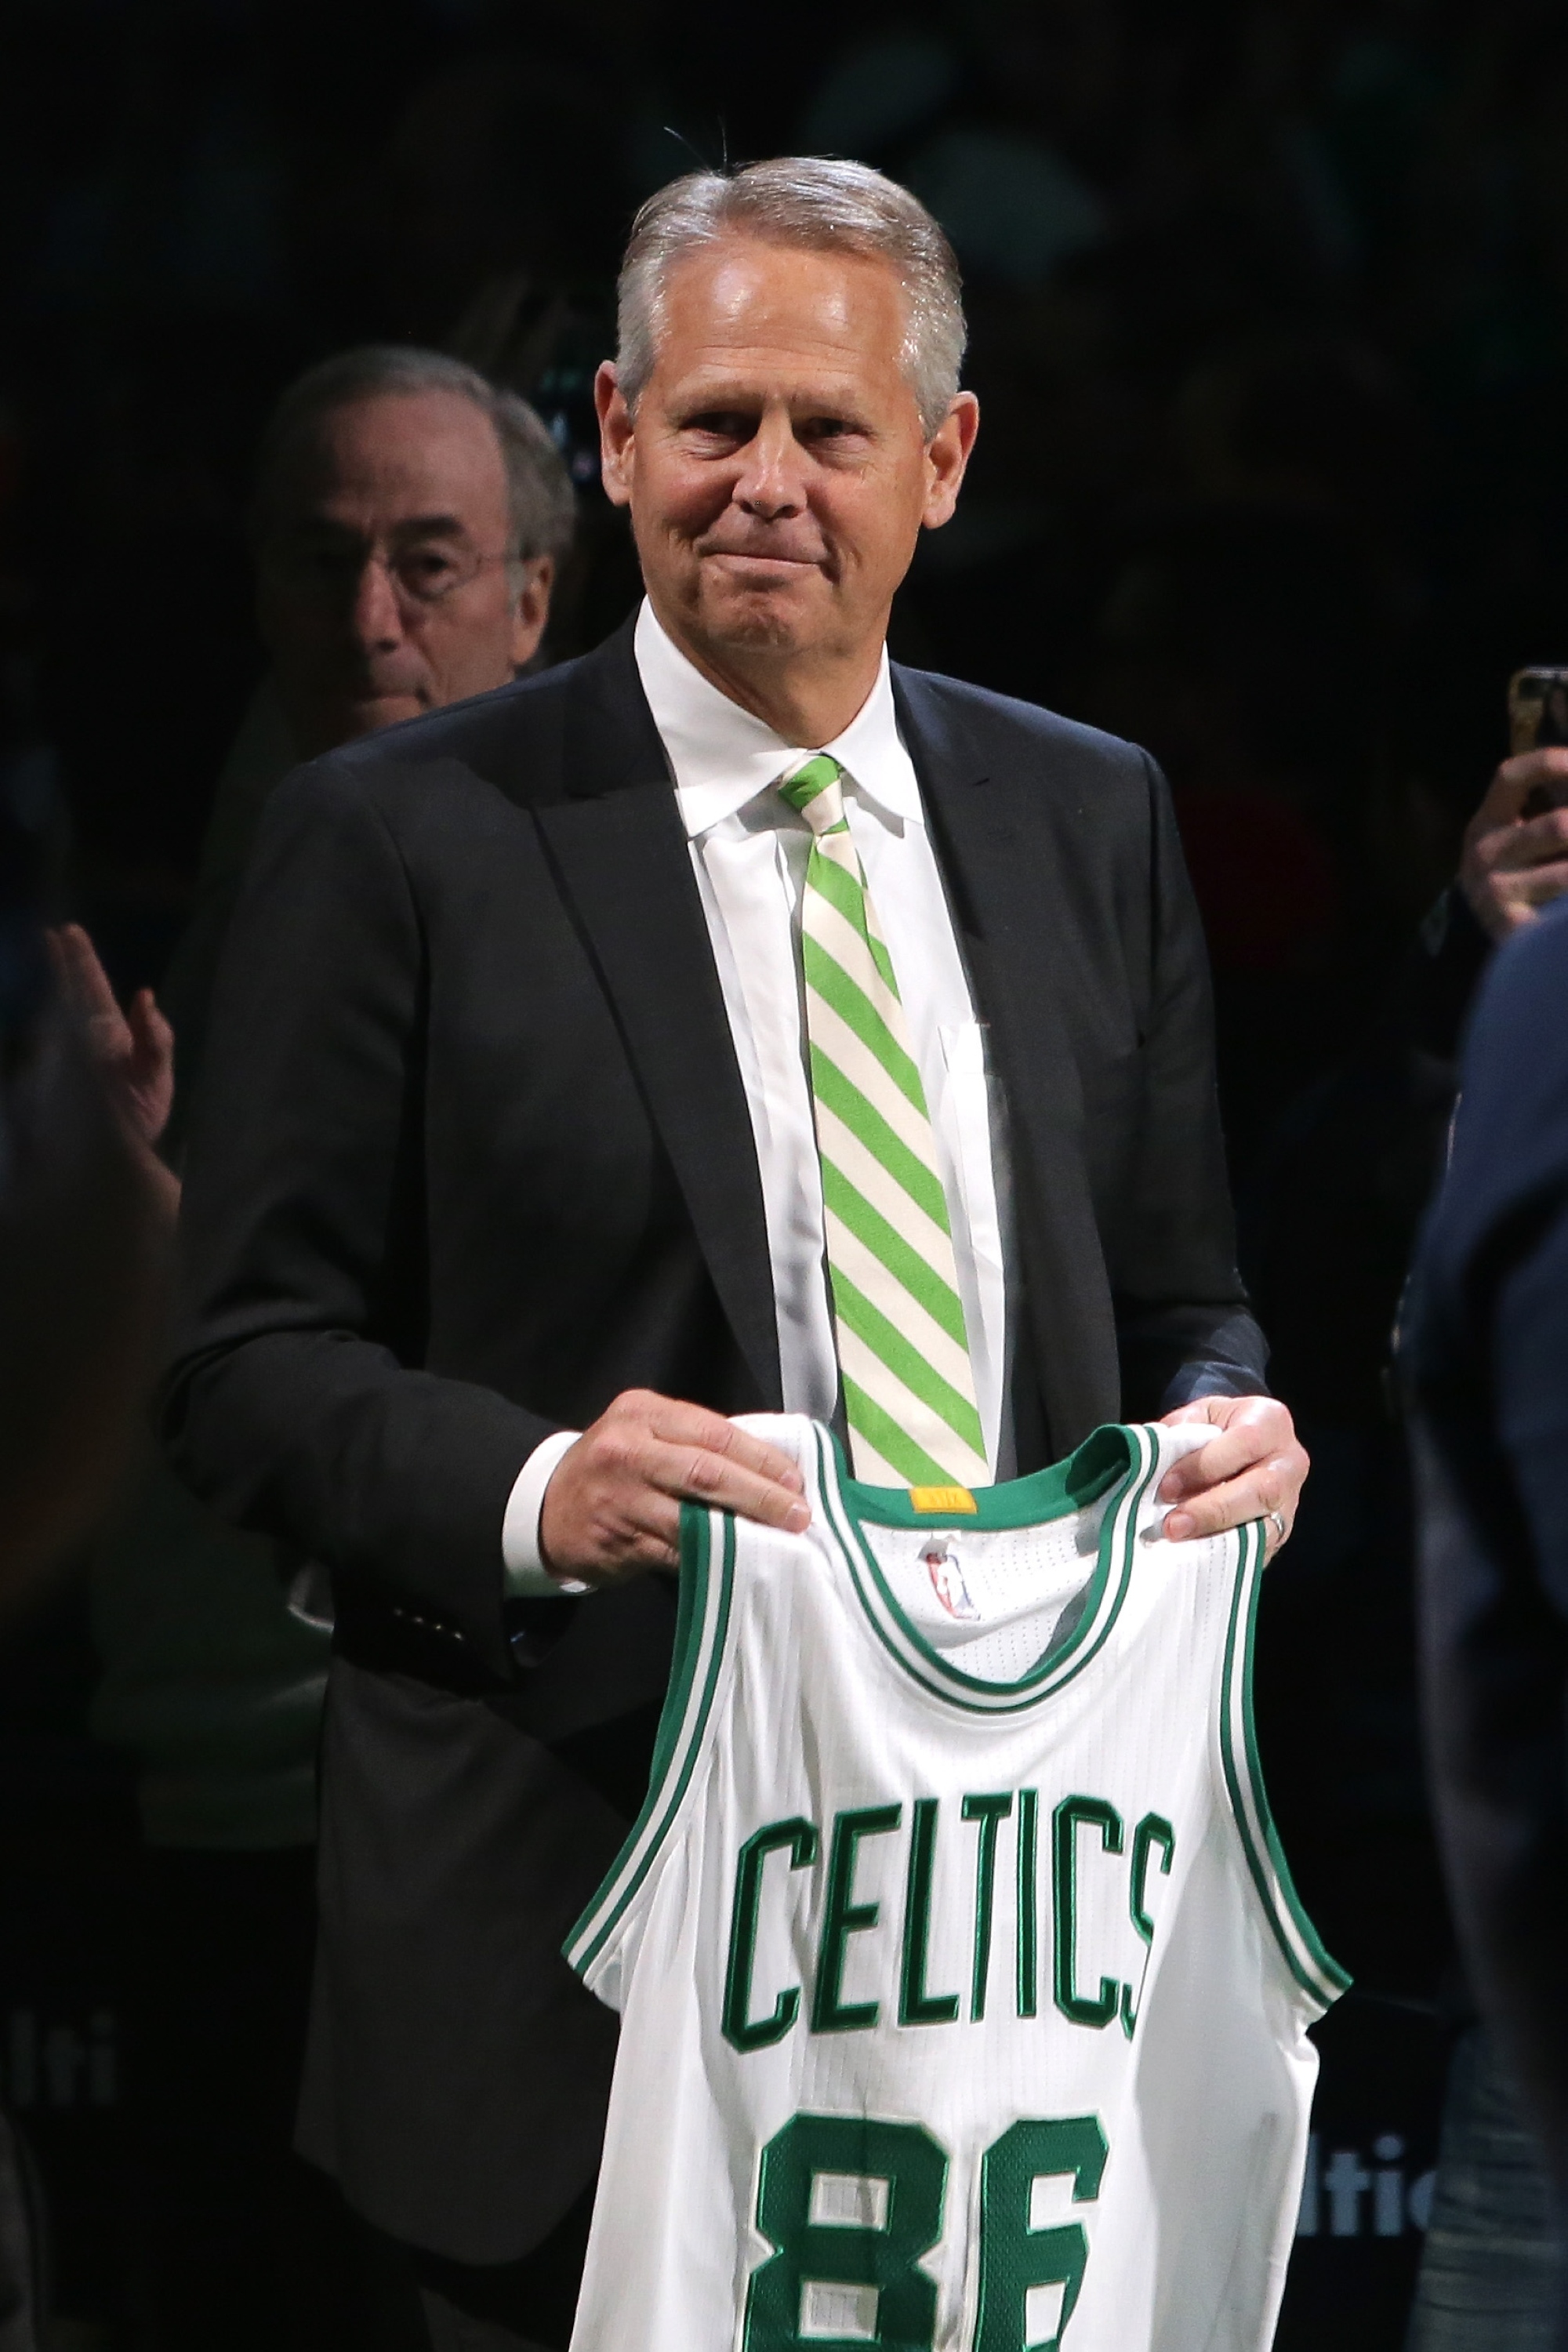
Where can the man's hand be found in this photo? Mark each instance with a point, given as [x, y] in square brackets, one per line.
[1513, 865]
[613, 1505]
[134, 1050]
[1254, 1470]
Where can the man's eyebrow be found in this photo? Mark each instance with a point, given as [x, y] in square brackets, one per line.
[843, 407]
[431, 526]
[428, 526]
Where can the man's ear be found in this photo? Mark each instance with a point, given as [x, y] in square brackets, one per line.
[617, 435]
[947, 455]
[530, 610]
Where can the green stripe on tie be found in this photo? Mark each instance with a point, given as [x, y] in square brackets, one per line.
[866, 1123]
[857, 1012]
[871, 1324]
[883, 1432]
[904, 1263]
[841, 890]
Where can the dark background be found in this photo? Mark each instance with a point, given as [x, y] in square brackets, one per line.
[1268, 307]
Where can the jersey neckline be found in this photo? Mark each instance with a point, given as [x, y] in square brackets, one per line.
[1115, 1464]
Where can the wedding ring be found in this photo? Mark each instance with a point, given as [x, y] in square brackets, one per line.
[1280, 1529]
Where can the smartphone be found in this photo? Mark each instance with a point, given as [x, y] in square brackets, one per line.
[1538, 716]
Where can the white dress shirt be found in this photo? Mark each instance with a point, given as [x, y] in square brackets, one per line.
[749, 851]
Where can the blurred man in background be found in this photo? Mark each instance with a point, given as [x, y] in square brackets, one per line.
[408, 522]
[1491, 2276]
[81, 1264]
[1488, 1357]
[82, 1258]
[408, 519]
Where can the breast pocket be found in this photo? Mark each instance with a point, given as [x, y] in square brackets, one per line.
[971, 1111]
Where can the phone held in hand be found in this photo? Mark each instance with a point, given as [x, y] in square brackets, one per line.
[1537, 717]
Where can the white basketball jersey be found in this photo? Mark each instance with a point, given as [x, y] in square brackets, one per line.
[964, 1987]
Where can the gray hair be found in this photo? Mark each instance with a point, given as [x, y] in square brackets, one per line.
[540, 500]
[826, 206]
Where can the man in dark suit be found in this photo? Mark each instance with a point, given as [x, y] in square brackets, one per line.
[505, 1191]
[1487, 1357]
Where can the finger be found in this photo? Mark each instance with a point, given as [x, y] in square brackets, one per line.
[72, 972]
[691, 1425]
[83, 979]
[632, 1553]
[1517, 778]
[153, 1037]
[1531, 842]
[1538, 886]
[1233, 1450]
[1230, 1505]
[726, 1485]
[652, 1531]
[1201, 1409]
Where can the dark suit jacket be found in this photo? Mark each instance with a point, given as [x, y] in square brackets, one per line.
[1486, 1361]
[471, 1157]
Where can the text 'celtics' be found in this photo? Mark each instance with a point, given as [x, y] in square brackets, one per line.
[1080, 1827]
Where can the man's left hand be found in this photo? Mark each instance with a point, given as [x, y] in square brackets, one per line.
[1253, 1469]
[134, 1050]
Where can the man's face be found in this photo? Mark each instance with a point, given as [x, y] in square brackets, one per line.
[385, 589]
[776, 468]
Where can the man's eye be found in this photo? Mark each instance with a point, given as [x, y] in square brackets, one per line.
[722, 424]
[425, 567]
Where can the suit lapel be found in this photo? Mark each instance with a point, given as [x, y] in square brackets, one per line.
[622, 855]
[1004, 897]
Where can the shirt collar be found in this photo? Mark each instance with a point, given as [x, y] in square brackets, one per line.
[722, 757]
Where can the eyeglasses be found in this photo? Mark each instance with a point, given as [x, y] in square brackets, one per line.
[424, 574]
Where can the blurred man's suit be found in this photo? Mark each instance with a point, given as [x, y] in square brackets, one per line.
[1487, 1358]
[474, 1157]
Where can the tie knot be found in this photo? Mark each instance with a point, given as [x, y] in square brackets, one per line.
[816, 789]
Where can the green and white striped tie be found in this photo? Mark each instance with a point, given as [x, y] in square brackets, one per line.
[908, 1390]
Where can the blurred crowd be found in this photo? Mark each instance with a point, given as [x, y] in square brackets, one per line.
[1268, 309]
[1267, 320]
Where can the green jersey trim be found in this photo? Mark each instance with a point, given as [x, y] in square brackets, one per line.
[1105, 1458]
[1118, 1463]
[1320, 1978]
[706, 1584]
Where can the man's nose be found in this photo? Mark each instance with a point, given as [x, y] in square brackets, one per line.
[377, 616]
[772, 484]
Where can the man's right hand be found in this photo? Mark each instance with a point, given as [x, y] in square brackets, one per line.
[1513, 865]
[612, 1508]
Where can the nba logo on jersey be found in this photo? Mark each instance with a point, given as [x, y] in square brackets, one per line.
[947, 1580]
[964, 1990]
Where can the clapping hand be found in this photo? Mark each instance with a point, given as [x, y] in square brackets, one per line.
[133, 1049]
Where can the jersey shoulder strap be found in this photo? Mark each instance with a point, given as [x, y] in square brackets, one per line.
[1320, 1978]
[707, 1585]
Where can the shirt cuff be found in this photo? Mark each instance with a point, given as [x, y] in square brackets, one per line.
[526, 1575]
